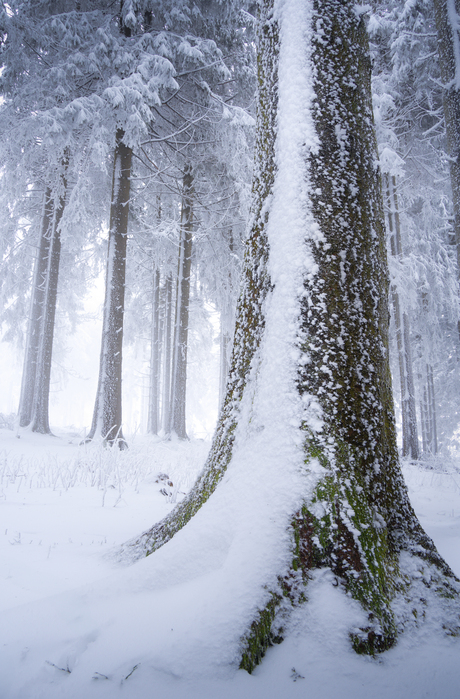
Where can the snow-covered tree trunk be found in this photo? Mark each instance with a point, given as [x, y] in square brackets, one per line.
[40, 409]
[308, 414]
[154, 388]
[36, 314]
[107, 416]
[179, 360]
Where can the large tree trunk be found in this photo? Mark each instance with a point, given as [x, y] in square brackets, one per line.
[179, 360]
[309, 393]
[36, 314]
[447, 14]
[107, 416]
[40, 410]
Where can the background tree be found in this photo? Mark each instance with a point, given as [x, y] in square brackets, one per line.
[46, 126]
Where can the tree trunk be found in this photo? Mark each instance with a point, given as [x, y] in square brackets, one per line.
[434, 429]
[179, 361]
[154, 389]
[406, 376]
[448, 28]
[36, 314]
[107, 416]
[424, 422]
[224, 352]
[226, 322]
[167, 327]
[309, 393]
[40, 411]
[430, 445]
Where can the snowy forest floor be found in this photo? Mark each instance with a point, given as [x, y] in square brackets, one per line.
[63, 506]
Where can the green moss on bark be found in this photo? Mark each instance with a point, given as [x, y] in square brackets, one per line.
[261, 635]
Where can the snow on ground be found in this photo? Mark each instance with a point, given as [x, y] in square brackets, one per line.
[63, 506]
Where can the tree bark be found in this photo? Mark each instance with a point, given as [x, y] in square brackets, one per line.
[448, 29]
[179, 361]
[167, 328]
[402, 325]
[225, 330]
[434, 429]
[154, 389]
[36, 314]
[107, 416]
[40, 410]
[355, 516]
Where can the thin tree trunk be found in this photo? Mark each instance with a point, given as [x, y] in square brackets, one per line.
[426, 415]
[429, 407]
[224, 356]
[409, 372]
[424, 423]
[36, 314]
[167, 329]
[40, 413]
[179, 362]
[414, 448]
[107, 416]
[225, 334]
[154, 391]
[432, 408]
[406, 376]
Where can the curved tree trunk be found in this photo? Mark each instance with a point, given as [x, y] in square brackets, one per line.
[316, 255]
[36, 314]
[107, 416]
